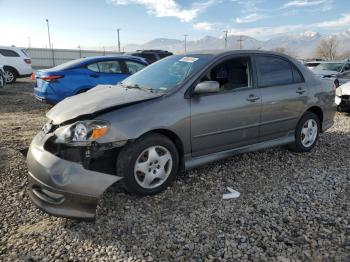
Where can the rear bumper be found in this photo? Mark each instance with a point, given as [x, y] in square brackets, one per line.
[44, 97]
[63, 188]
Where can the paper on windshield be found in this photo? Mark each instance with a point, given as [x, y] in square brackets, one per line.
[188, 59]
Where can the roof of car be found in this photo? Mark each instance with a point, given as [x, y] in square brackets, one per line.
[11, 47]
[107, 57]
[334, 62]
[221, 52]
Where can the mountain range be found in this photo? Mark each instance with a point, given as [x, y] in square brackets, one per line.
[301, 45]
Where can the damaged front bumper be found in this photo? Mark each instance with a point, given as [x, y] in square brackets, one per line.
[343, 103]
[61, 187]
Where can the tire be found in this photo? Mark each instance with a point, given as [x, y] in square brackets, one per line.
[10, 75]
[2, 81]
[306, 133]
[145, 167]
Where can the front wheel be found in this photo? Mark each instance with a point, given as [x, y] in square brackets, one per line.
[306, 133]
[148, 165]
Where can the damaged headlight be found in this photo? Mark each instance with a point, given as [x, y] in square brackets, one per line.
[82, 132]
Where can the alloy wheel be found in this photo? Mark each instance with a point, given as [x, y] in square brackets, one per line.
[9, 76]
[153, 167]
[309, 133]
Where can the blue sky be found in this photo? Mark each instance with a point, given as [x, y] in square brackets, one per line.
[93, 23]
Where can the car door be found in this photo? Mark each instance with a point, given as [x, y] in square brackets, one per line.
[230, 118]
[284, 96]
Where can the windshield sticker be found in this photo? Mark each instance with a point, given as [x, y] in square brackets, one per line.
[163, 88]
[188, 59]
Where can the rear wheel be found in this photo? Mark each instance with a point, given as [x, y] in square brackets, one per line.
[148, 165]
[10, 75]
[306, 133]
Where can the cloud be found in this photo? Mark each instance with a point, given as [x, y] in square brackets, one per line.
[264, 32]
[249, 18]
[304, 3]
[168, 8]
[203, 26]
[341, 22]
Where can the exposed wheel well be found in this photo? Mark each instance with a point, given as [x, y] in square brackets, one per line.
[83, 90]
[318, 111]
[175, 139]
[11, 68]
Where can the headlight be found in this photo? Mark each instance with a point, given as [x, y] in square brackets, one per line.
[82, 132]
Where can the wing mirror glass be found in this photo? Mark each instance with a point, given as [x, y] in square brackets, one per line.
[207, 87]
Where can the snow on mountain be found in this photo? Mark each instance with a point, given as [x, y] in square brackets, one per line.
[302, 45]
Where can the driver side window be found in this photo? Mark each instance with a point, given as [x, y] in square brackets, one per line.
[231, 74]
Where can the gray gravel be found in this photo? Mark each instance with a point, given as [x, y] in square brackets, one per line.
[292, 206]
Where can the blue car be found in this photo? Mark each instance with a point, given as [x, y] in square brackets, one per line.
[77, 76]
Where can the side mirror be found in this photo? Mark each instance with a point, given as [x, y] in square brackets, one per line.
[207, 87]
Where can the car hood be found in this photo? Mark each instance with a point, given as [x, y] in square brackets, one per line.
[325, 72]
[101, 98]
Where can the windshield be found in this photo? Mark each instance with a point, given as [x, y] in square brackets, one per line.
[330, 66]
[167, 73]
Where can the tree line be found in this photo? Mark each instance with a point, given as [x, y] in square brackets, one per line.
[327, 49]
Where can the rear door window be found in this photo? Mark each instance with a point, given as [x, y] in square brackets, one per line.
[110, 67]
[133, 66]
[9, 53]
[93, 67]
[298, 78]
[274, 71]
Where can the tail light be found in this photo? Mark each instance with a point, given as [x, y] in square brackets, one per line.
[28, 61]
[51, 78]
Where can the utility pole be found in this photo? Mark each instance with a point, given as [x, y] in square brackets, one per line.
[240, 40]
[29, 44]
[118, 40]
[185, 43]
[225, 37]
[79, 50]
[50, 46]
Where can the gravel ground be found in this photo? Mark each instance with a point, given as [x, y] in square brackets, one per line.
[292, 206]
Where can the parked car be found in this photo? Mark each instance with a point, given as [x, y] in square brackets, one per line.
[152, 55]
[342, 98]
[77, 76]
[333, 69]
[16, 63]
[312, 64]
[178, 113]
[2, 78]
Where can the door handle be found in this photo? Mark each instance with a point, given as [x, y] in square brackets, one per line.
[94, 76]
[300, 90]
[252, 98]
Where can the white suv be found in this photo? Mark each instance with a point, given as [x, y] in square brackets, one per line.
[16, 63]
